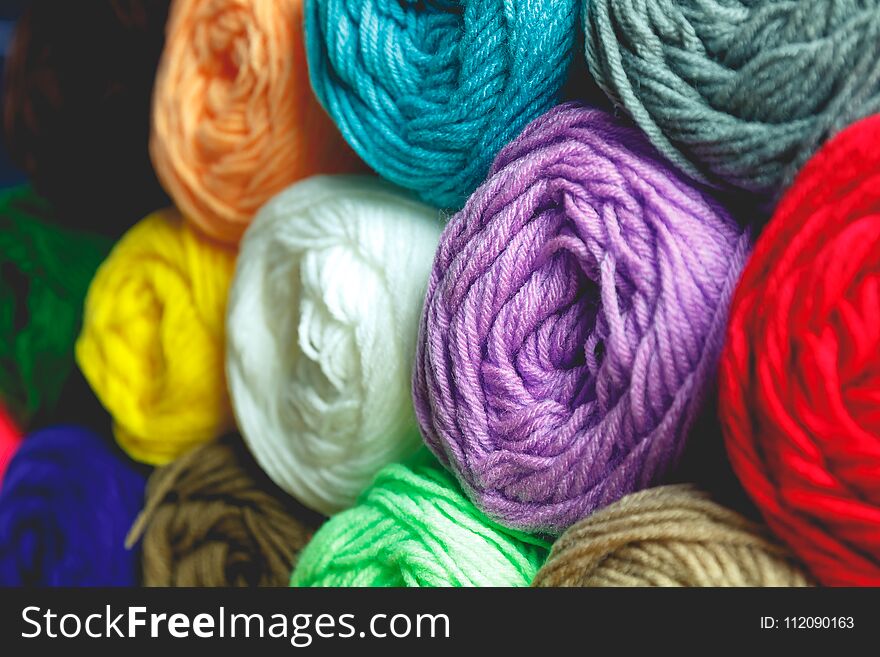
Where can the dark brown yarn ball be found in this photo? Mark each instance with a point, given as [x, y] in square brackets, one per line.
[78, 84]
[212, 518]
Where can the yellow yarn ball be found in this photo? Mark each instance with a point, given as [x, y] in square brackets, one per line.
[153, 337]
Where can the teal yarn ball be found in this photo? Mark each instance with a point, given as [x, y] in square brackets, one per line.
[427, 92]
[414, 527]
[738, 93]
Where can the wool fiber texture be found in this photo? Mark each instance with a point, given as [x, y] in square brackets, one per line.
[67, 500]
[234, 119]
[573, 322]
[738, 93]
[414, 527]
[45, 271]
[427, 93]
[800, 377]
[153, 337]
[323, 319]
[668, 536]
[212, 518]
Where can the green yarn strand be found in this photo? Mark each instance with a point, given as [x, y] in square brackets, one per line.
[45, 272]
[414, 527]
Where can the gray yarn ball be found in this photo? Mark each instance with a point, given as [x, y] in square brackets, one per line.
[738, 93]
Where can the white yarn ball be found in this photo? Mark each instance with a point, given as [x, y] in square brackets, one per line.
[322, 327]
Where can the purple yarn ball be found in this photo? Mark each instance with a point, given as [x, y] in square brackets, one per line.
[573, 322]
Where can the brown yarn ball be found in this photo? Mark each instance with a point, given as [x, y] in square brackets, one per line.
[76, 105]
[668, 536]
[212, 518]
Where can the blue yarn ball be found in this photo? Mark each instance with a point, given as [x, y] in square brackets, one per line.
[427, 92]
[67, 503]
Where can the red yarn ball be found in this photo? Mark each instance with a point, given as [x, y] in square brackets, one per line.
[800, 374]
[9, 441]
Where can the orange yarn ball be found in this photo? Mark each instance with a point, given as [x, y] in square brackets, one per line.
[234, 117]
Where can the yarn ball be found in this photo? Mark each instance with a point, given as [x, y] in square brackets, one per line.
[668, 536]
[737, 93]
[323, 318]
[10, 438]
[234, 119]
[45, 271]
[414, 527]
[76, 104]
[800, 382]
[153, 337]
[212, 518]
[427, 93]
[573, 322]
[67, 501]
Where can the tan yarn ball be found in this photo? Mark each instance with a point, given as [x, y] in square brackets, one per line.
[668, 536]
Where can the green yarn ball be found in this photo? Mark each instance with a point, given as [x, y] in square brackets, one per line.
[45, 272]
[414, 527]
